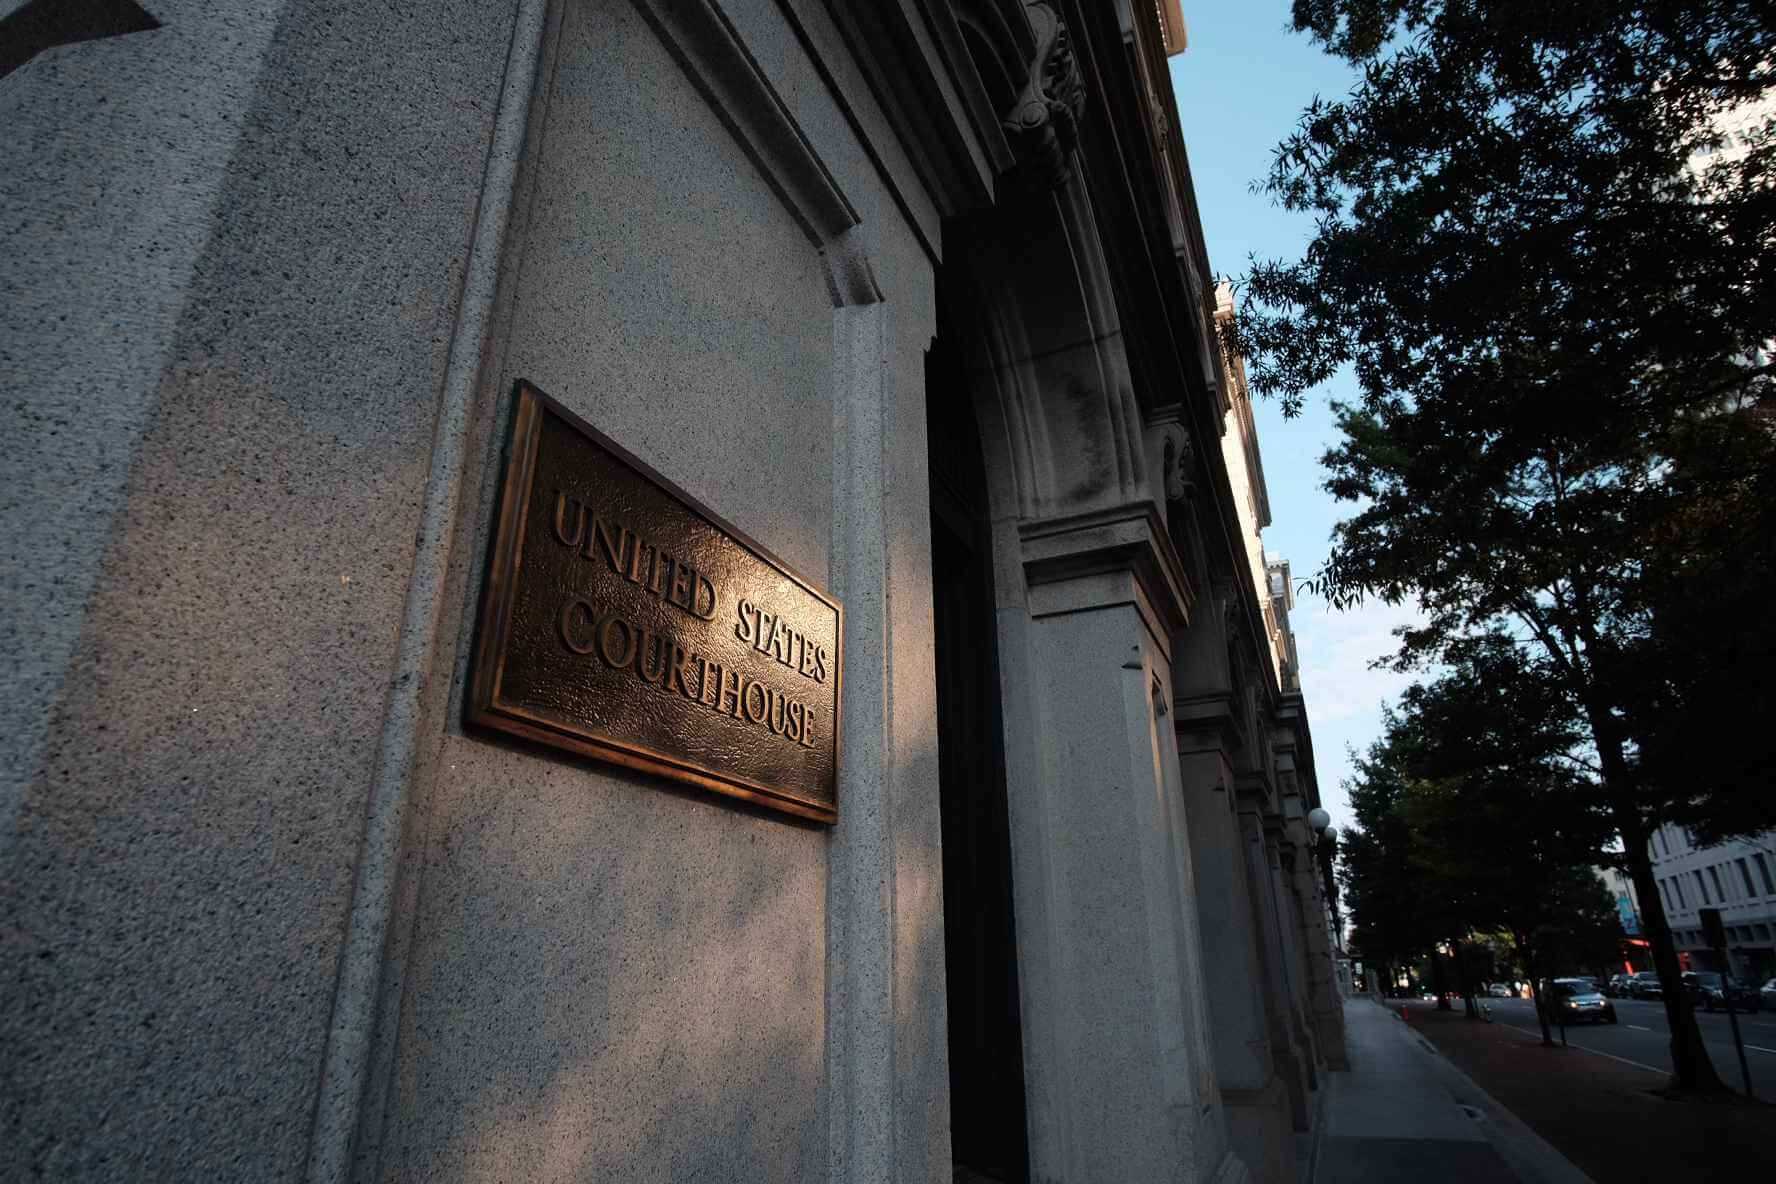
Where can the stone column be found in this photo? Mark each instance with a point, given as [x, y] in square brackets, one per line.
[1280, 855]
[1254, 1094]
[1118, 1074]
[1324, 1001]
[1286, 1051]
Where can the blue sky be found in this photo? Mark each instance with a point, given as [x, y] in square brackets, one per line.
[1241, 85]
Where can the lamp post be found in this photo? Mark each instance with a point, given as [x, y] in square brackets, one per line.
[1326, 838]
[1320, 822]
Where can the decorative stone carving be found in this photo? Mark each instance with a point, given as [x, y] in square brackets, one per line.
[1179, 461]
[1044, 121]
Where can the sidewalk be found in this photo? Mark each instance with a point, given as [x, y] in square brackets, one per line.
[1405, 1113]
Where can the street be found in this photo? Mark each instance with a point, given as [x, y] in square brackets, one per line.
[1642, 1038]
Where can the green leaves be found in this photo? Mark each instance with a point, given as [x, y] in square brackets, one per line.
[1477, 807]
[1556, 288]
[1506, 199]
[1548, 306]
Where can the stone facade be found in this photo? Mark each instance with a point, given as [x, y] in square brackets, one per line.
[273, 912]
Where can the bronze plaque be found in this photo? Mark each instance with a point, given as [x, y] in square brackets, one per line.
[623, 620]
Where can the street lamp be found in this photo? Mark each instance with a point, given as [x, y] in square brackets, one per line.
[1320, 823]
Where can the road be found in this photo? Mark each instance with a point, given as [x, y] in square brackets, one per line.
[1642, 1038]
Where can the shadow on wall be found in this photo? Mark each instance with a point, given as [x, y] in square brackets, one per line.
[607, 981]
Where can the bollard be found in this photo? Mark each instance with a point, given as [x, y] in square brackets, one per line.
[1403, 1014]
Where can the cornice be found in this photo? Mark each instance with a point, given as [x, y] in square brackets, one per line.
[922, 76]
[1207, 722]
[1129, 540]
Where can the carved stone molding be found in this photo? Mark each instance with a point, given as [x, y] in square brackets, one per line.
[717, 62]
[1177, 461]
[1172, 464]
[1043, 123]
[1076, 562]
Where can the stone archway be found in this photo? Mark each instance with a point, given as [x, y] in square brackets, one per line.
[1088, 593]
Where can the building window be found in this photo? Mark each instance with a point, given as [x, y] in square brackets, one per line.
[1702, 887]
[1714, 874]
[1745, 873]
[1677, 886]
[1764, 867]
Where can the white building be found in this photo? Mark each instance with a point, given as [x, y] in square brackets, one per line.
[1738, 878]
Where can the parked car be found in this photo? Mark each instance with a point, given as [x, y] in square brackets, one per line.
[1768, 995]
[1578, 999]
[1712, 991]
[1617, 987]
[1501, 991]
[1646, 985]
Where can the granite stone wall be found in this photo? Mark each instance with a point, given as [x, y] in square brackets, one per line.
[607, 976]
[229, 275]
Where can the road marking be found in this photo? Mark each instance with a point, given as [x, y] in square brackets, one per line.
[1612, 1056]
[1759, 1048]
[1594, 1052]
[1637, 1027]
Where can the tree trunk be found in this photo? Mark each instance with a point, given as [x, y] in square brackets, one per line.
[1691, 1068]
[1462, 979]
[1440, 984]
[1526, 954]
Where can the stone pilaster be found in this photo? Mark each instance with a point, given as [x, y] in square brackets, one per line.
[1118, 1071]
[1325, 1005]
[1286, 1054]
[1279, 856]
[1209, 732]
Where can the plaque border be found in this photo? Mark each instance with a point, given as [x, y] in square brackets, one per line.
[485, 707]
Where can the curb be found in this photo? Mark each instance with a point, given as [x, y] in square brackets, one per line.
[1532, 1157]
[1319, 1130]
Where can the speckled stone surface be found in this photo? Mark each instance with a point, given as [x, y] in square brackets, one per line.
[231, 262]
[611, 978]
[116, 151]
[1116, 1068]
[256, 250]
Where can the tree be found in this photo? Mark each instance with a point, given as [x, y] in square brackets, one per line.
[1708, 695]
[1505, 828]
[1393, 920]
[1543, 305]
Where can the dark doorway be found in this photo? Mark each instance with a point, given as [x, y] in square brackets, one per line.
[986, 1037]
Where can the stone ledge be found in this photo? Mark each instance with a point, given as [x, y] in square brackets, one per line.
[1124, 541]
